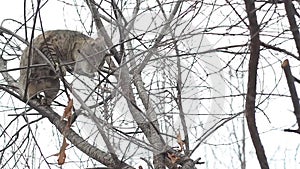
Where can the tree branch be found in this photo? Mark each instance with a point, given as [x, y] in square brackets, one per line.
[291, 83]
[2, 29]
[93, 152]
[268, 46]
[290, 12]
[103, 157]
[252, 79]
[100, 29]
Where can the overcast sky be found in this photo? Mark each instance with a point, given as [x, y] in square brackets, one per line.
[61, 16]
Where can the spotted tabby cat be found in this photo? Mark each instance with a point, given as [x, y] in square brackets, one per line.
[61, 47]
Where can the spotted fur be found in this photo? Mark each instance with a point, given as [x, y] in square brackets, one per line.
[61, 47]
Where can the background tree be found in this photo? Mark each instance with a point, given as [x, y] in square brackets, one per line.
[180, 81]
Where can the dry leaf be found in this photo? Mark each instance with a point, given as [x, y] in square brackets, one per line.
[179, 141]
[62, 153]
[68, 114]
[68, 109]
[173, 158]
[140, 167]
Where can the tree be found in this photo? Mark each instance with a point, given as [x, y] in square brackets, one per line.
[180, 81]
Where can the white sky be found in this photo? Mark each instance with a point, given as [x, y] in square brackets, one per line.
[275, 141]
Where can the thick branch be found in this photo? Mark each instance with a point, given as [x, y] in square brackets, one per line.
[93, 152]
[290, 12]
[252, 79]
[290, 81]
[150, 130]
[148, 124]
[90, 150]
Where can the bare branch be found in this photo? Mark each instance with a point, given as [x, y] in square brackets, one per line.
[252, 80]
[103, 157]
[268, 46]
[27, 43]
[101, 30]
[162, 33]
[291, 11]
[294, 96]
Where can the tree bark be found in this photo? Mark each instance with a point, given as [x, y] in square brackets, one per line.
[252, 79]
[291, 83]
[290, 12]
[104, 158]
